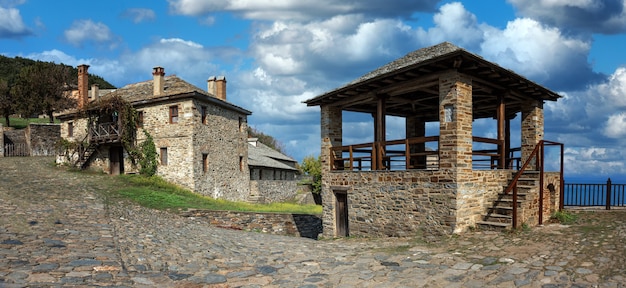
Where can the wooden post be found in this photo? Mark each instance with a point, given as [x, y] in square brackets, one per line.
[501, 133]
[608, 194]
[380, 131]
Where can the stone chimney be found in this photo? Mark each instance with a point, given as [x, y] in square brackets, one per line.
[159, 74]
[217, 87]
[83, 86]
[95, 92]
[211, 85]
[220, 88]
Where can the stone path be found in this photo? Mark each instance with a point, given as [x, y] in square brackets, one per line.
[60, 229]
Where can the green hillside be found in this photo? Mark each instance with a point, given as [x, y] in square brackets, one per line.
[10, 68]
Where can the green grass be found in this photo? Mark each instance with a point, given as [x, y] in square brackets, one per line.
[21, 123]
[565, 217]
[154, 192]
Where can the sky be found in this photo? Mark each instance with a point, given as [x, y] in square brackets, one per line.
[276, 54]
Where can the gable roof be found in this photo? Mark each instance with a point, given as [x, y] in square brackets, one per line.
[260, 155]
[142, 93]
[412, 84]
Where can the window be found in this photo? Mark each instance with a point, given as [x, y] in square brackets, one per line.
[173, 114]
[163, 155]
[203, 113]
[205, 162]
[240, 163]
[240, 124]
[140, 119]
[70, 129]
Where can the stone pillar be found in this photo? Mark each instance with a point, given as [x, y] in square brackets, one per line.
[331, 134]
[455, 148]
[416, 127]
[532, 128]
[455, 122]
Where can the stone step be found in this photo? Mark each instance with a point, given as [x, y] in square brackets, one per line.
[507, 202]
[499, 218]
[256, 199]
[520, 196]
[502, 210]
[493, 225]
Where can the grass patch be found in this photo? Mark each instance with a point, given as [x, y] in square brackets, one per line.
[565, 217]
[21, 123]
[154, 192]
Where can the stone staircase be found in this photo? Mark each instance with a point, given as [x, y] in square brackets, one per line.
[500, 215]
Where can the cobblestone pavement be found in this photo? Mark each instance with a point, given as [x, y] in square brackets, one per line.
[59, 228]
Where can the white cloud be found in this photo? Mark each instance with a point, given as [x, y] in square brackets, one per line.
[139, 14]
[595, 16]
[616, 126]
[454, 24]
[301, 10]
[11, 24]
[85, 30]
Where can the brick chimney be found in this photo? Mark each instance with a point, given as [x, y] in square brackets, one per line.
[83, 86]
[159, 74]
[95, 92]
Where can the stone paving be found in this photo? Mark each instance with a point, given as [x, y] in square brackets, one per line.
[60, 229]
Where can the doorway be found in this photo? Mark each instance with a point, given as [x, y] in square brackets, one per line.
[116, 160]
[341, 213]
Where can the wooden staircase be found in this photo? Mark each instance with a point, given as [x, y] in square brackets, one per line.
[85, 156]
[500, 215]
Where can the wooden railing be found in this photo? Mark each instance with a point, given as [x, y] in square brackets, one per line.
[412, 153]
[105, 133]
[537, 156]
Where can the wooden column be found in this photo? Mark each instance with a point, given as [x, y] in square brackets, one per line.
[380, 132]
[416, 127]
[507, 143]
[501, 132]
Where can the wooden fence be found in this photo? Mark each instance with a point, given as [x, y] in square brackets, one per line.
[14, 150]
[602, 195]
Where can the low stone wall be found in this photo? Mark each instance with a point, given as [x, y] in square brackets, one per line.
[274, 190]
[43, 139]
[299, 225]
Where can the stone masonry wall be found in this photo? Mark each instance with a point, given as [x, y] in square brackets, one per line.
[43, 139]
[174, 137]
[397, 203]
[273, 191]
[300, 225]
[532, 127]
[224, 139]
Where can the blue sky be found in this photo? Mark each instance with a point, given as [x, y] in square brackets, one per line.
[276, 54]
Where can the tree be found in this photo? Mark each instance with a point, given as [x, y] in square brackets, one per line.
[268, 140]
[43, 88]
[312, 167]
[7, 105]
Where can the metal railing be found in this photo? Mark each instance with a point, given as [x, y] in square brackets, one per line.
[595, 195]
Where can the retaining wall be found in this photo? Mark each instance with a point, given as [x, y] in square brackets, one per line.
[299, 225]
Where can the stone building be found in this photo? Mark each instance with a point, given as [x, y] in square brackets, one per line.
[199, 136]
[272, 174]
[399, 187]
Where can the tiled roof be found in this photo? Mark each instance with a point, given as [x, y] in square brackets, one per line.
[262, 156]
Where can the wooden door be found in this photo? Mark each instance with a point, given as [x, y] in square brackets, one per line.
[116, 160]
[341, 210]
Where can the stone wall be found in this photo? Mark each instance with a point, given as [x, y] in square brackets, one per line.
[396, 203]
[477, 194]
[43, 139]
[274, 190]
[300, 225]
[224, 139]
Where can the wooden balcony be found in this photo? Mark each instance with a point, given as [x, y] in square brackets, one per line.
[105, 133]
